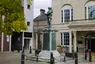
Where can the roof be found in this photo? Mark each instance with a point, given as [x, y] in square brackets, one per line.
[41, 18]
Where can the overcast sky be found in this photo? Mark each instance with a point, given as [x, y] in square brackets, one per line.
[41, 4]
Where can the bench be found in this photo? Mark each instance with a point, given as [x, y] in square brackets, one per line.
[70, 55]
[37, 51]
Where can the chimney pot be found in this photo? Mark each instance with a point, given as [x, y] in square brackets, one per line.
[42, 11]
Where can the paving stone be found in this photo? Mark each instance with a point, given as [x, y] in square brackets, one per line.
[15, 58]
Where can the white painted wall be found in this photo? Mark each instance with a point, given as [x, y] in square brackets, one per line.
[29, 18]
[29, 15]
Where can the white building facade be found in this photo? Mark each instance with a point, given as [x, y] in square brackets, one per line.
[27, 40]
[75, 22]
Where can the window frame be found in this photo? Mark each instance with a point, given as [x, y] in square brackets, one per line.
[28, 6]
[87, 5]
[63, 39]
[67, 7]
[28, 23]
[66, 34]
[67, 15]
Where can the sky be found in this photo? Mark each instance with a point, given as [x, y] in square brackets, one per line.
[41, 4]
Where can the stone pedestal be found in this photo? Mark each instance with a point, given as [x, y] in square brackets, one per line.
[45, 54]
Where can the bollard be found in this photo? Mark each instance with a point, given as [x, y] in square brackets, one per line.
[30, 50]
[73, 56]
[76, 58]
[22, 56]
[36, 54]
[90, 56]
[77, 48]
[64, 59]
[37, 58]
[86, 54]
[51, 58]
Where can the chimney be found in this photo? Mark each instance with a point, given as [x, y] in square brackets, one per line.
[42, 11]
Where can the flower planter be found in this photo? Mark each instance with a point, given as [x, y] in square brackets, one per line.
[59, 48]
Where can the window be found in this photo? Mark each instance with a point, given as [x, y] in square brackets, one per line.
[85, 12]
[66, 38]
[71, 14]
[61, 38]
[90, 10]
[28, 23]
[28, 6]
[61, 15]
[66, 13]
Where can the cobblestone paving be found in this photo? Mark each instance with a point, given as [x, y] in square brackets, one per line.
[15, 58]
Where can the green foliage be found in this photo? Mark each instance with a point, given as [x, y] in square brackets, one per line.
[29, 1]
[7, 28]
[14, 16]
[19, 25]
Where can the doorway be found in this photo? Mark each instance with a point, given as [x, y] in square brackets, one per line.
[93, 45]
[26, 43]
[90, 41]
[16, 43]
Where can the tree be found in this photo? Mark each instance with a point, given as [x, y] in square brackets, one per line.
[14, 17]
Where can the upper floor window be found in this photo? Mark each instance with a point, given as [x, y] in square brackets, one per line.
[90, 10]
[66, 13]
[28, 23]
[28, 6]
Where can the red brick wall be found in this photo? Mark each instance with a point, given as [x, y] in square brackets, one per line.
[5, 43]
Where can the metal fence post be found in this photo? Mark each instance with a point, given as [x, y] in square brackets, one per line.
[36, 54]
[30, 51]
[64, 59]
[37, 57]
[22, 56]
[86, 54]
[77, 49]
[51, 58]
[76, 58]
[90, 56]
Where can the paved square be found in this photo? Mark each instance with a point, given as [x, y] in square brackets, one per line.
[15, 58]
